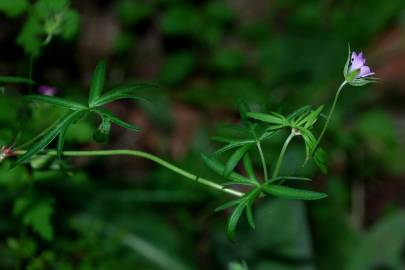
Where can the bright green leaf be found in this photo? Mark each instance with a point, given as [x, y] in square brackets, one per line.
[293, 193]
[57, 101]
[97, 83]
[16, 80]
[233, 220]
[235, 158]
[218, 167]
[49, 136]
[125, 92]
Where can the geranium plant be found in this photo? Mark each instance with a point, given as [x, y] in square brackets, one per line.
[255, 128]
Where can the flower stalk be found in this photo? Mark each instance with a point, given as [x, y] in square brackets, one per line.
[329, 116]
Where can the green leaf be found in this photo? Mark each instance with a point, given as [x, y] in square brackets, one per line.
[49, 136]
[272, 118]
[114, 119]
[235, 158]
[243, 110]
[312, 117]
[39, 218]
[281, 178]
[97, 83]
[129, 92]
[247, 164]
[232, 145]
[320, 160]
[218, 167]
[310, 141]
[298, 112]
[57, 101]
[310, 144]
[177, 67]
[36, 214]
[250, 199]
[346, 68]
[30, 35]
[292, 193]
[234, 219]
[14, 8]
[177, 20]
[71, 24]
[227, 205]
[16, 80]
[61, 142]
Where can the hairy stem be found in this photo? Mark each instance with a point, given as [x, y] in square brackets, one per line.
[329, 116]
[263, 160]
[281, 156]
[135, 153]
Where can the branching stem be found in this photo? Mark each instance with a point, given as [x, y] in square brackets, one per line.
[135, 153]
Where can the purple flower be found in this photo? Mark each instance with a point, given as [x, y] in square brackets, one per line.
[47, 90]
[358, 62]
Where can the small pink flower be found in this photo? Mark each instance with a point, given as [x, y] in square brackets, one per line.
[358, 62]
[47, 90]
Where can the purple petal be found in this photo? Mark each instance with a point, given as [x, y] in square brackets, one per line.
[358, 61]
[365, 72]
[47, 90]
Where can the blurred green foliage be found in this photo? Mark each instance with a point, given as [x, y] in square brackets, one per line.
[117, 213]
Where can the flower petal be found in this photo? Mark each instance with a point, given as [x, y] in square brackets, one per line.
[358, 61]
[365, 72]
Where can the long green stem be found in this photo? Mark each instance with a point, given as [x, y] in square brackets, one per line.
[135, 153]
[263, 160]
[281, 156]
[329, 116]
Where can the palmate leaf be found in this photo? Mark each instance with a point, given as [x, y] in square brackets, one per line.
[16, 80]
[57, 101]
[97, 83]
[114, 119]
[292, 193]
[124, 92]
[235, 158]
[62, 124]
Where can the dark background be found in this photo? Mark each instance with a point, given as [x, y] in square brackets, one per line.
[126, 213]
